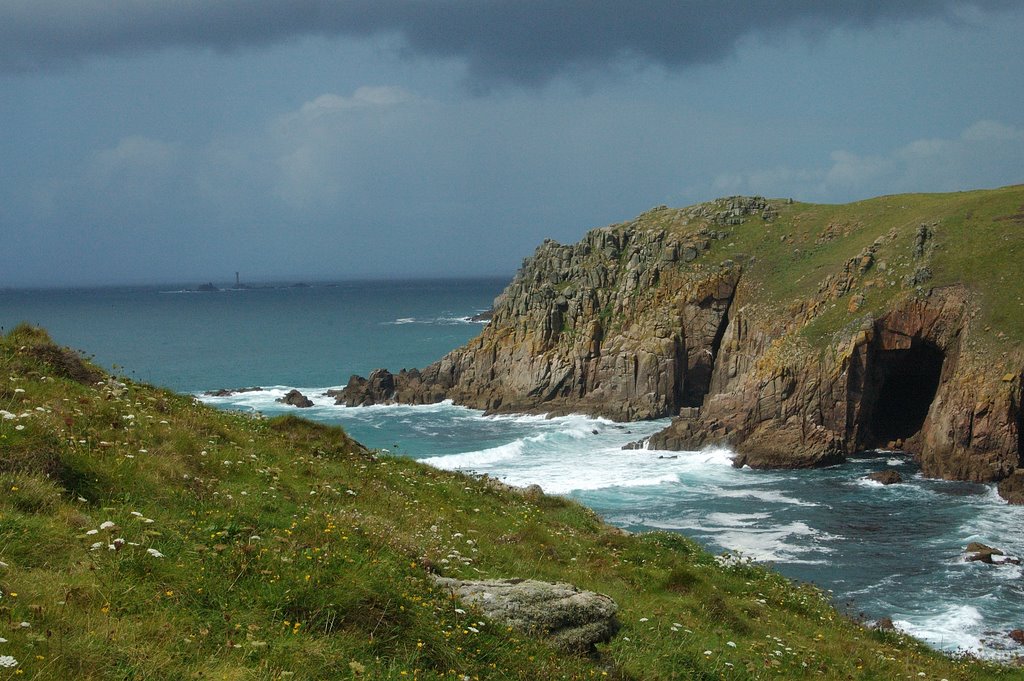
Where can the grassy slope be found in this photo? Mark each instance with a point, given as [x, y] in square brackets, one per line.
[291, 552]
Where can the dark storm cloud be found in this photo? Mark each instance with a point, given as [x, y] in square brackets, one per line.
[518, 41]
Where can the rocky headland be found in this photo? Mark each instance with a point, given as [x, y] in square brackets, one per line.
[797, 334]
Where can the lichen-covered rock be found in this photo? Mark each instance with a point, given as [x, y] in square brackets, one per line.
[571, 619]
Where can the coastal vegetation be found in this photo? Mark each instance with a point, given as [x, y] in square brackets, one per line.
[146, 536]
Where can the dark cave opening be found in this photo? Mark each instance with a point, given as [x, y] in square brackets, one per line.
[907, 381]
[697, 381]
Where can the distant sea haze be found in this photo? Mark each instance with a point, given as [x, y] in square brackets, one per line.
[894, 551]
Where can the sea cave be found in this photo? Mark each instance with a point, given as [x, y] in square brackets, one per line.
[903, 383]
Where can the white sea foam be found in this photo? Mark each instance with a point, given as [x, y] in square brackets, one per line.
[957, 627]
[480, 459]
[736, 519]
[432, 320]
[772, 544]
[769, 496]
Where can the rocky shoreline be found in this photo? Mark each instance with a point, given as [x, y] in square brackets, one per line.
[672, 314]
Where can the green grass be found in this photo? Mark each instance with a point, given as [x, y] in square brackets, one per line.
[291, 552]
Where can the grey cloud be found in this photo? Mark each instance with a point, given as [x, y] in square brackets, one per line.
[986, 154]
[524, 42]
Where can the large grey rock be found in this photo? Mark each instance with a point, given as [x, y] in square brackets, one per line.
[573, 620]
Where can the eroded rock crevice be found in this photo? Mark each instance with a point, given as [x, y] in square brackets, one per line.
[700, 367]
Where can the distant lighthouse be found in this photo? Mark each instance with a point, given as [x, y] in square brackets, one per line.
[238, 283]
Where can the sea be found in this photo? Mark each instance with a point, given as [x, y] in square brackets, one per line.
[881, 551]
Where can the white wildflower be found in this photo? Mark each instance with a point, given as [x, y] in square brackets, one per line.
[8, 661]
[154, 553]
[643, 619]
[24, 625]
[730, 644]
[19, 427]
[106, 525]
[92, 531]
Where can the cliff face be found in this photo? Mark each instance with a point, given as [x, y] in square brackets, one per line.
[624, 324]
[902, 381]
[796, 334]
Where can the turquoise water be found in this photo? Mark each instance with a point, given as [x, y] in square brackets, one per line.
[884, 551]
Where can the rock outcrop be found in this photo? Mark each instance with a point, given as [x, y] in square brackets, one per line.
[1012, 487]
[625, 324]
[797, 335]
[296, 399]
[571, 619]
[886, 477]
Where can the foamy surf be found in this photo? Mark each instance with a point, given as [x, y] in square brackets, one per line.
[485, 458]
[953, 628]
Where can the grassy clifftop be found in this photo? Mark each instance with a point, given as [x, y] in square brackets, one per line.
[892, 246]
[143, 535]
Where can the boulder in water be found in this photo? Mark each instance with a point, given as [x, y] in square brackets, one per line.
[886, 477]
[986, 554]
[295, 399]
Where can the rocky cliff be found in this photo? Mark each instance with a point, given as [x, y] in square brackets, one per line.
[795, 333]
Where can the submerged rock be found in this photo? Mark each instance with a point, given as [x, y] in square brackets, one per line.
[228, 392]
[571, 619]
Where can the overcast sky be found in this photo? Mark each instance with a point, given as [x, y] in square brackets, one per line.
[154, 141]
